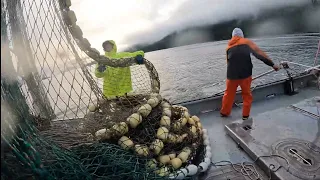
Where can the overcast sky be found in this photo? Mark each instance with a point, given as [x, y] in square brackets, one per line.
[130, 22]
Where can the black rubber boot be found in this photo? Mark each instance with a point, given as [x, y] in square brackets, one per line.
[223, 115]
[245, 117]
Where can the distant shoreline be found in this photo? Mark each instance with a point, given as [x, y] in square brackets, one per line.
[292, 18]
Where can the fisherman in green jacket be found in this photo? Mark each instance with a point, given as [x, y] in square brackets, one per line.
[116, 80]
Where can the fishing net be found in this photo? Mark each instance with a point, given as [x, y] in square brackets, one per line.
[57, 124]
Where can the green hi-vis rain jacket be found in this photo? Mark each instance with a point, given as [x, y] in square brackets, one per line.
[116, 80]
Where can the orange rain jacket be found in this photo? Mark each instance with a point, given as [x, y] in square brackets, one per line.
[239, 60]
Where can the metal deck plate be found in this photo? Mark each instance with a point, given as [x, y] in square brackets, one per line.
[292, 137]
[229, 173]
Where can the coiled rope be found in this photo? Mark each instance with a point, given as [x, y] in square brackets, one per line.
[247, 169]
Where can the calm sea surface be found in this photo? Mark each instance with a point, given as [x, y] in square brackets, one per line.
[191, 72]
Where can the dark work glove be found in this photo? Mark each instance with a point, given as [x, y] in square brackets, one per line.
[101, 68]
[139, 59]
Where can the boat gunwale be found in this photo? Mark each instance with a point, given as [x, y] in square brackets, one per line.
[261, 86]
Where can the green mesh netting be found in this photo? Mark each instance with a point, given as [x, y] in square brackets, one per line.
[55, 121]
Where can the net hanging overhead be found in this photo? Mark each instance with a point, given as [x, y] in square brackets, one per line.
[48, 74]
[50, 62]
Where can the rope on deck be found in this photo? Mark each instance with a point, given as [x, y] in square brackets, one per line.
[247, 169]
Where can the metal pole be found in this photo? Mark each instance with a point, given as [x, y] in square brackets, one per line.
[316, 58]
[256, 77]
[263, 74]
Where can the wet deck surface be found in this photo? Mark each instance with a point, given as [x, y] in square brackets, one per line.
[267, 115]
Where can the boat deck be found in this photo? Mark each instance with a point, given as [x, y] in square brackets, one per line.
[224, 148]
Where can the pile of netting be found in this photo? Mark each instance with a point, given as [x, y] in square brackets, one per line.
[155, 142]
[57, 124]
[165, 134]
[26, 154]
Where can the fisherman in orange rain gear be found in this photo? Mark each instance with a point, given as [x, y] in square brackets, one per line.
[239, 71]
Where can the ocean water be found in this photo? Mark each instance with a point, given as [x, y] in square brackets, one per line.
[199, 70]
